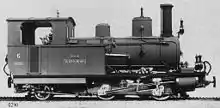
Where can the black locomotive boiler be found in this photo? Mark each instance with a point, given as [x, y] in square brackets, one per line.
[105, 66]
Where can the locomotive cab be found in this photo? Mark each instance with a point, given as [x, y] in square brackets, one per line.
[22, 36]
[23, 31]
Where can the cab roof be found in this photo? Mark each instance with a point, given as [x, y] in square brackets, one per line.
[43, 19]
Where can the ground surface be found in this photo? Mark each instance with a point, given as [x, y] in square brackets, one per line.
[70, 102]
[111, 104]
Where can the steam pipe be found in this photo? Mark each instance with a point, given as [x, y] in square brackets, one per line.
[142, 15]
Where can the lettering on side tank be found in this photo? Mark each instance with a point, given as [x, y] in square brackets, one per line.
[75, 59]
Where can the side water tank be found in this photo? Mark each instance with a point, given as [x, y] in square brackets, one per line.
[141, 26]
[102, 30]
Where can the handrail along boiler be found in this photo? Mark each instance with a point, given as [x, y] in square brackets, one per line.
[103, 65]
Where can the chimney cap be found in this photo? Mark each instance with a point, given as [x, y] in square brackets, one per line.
[103, 24]
[166, 5]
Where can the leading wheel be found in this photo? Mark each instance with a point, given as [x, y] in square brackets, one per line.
[102, 92]
[43, 93]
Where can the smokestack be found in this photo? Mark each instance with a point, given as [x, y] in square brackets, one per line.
[166, 20]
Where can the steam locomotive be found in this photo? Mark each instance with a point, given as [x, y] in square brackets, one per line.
[104, 66]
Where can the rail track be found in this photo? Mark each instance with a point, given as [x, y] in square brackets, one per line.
[117, 99]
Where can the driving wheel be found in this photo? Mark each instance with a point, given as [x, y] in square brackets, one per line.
[43, 93]
[102, 92]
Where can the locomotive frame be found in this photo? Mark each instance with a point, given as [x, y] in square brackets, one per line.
[104, 66]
